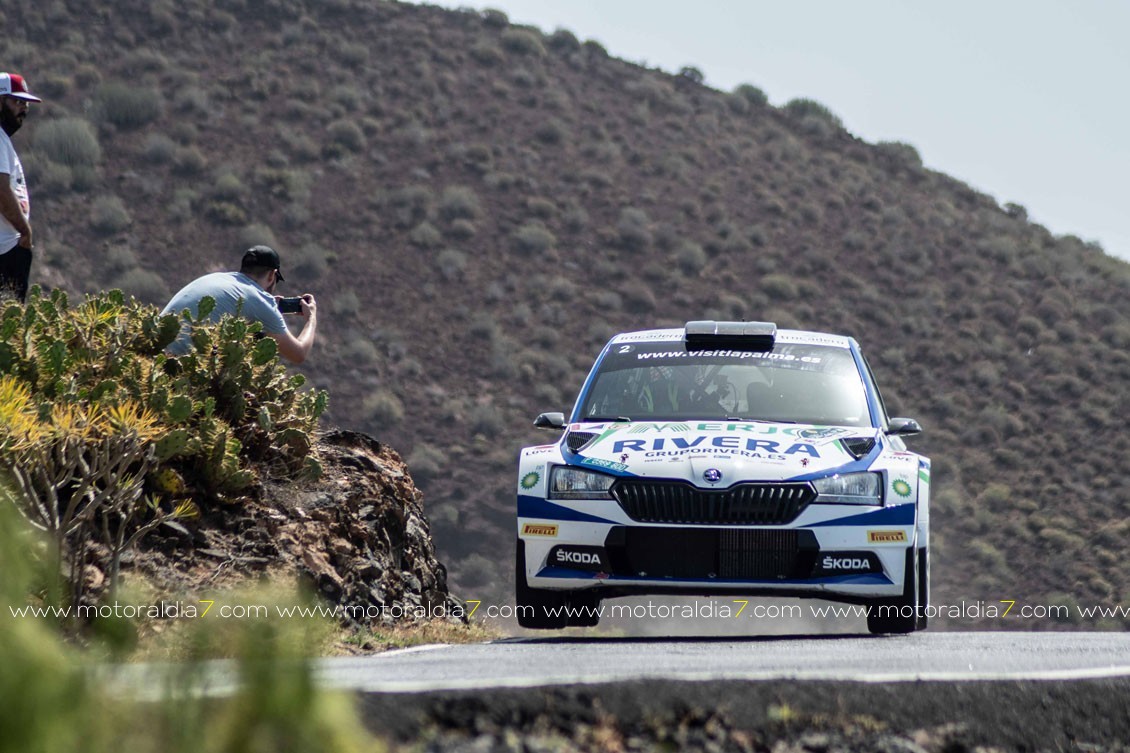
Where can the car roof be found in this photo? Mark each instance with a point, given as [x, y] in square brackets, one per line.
[794, 336]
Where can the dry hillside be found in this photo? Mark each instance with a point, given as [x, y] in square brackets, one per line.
[478, 206]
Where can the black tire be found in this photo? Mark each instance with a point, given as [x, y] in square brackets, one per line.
[538, 608]
[586, 610]
[923, 587]
[901, 614]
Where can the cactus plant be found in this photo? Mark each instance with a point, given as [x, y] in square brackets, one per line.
[94, 414]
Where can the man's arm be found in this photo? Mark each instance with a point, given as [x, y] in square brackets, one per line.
[10, 208]
[295, 349]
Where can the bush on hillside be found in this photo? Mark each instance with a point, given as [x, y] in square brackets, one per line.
[128, 106]
[752, 94]
[803, 109]
[108, 215]
[69, 141]
[523, 42]
[900, 153]
[534, 238]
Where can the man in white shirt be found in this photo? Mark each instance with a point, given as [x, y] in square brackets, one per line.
[15, 207]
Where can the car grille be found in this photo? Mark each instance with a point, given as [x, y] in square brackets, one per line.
[756, 554]
[578, 439]
[702, 554]
[744, 504]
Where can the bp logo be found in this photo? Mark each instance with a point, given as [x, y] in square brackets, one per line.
[901, 488]
[530, 480]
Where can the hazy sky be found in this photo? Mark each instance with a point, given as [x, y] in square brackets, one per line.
[1025, 100]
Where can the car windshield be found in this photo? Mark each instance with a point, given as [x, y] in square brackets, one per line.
[804, 384]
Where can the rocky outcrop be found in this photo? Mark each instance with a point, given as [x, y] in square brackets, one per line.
[358, 535]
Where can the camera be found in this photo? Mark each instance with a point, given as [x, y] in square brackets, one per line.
[290, 305]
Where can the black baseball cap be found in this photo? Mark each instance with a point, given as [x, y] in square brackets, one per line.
[262, 256]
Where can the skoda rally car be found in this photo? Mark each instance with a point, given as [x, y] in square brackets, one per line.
[725, 458]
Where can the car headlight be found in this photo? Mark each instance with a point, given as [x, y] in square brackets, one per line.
[850, 489]
[569, 482]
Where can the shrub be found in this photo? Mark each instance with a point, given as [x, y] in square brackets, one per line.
[483, 327]
[563, 39]
[900, 153]
[462, 230]
[523, 42]
[425, 462]
[495, 18]
[69, 141]
[410, 205]
[459, 202]
[690, 257]
[144, 60]
[347, 135]
[127, 106]
[541, 208]
[779, 287]
[345, 95]
[309, 261]
[485, 419]
[158, 149]
[188, 160]
[113, 399]
[108, 215]
[476, 571]
[351, 54]
[144, 285]
[451, 263]
[692, 74]
[809, 109]
[119, 259]
[594, 48]
[257, 234]
[638, 298]
[551, 132]
[228, 187]
[191, 100]
[576, 218]
[425, 235]
[533, 238]
[633, 229]
[752, 94]
[487, 53]
[384, 407]
[50, 178]
[346, 303]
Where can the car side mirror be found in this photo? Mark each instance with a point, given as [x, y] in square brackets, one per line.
[550, 421]
[904, 427]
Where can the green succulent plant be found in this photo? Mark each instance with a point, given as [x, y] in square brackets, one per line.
[97, 418]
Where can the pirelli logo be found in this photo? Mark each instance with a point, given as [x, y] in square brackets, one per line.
[539, 529]
[886, 537]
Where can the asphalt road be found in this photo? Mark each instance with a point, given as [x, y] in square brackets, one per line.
[554, 660]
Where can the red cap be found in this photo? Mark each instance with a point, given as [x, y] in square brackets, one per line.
[13, 85]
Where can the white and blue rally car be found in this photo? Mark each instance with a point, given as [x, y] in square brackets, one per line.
[725, 458]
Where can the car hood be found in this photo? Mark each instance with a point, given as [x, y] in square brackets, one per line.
[728, 452]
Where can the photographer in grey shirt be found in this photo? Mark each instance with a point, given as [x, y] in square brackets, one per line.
[250, 294]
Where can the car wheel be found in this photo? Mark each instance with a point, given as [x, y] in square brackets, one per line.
[899, 615]
[923, 587]
[538, 608]
[586, 610]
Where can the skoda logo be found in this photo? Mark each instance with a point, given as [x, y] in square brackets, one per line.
[712, 475]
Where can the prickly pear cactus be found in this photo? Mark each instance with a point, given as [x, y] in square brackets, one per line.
[223, 407]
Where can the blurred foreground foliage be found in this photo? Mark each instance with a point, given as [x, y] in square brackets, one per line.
[104, 436]
[55, 699]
